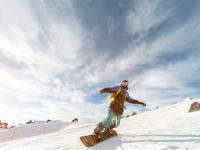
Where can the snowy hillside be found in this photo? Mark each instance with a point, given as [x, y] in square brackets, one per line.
[167, 128]
[32, 129]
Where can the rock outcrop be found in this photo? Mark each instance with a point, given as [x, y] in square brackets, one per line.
[194, 107]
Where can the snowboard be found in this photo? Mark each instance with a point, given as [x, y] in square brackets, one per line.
[91, 140]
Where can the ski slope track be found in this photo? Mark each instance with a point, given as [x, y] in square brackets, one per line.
[166, 128]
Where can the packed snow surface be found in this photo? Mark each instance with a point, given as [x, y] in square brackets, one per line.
[167, 128]
[31, 129]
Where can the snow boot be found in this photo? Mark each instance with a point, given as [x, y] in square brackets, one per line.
[109, 130]
[98, 130]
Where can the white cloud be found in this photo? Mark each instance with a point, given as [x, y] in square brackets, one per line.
[22, 88]
[47, 72]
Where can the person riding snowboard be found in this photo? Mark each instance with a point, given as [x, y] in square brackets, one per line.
[118, 95]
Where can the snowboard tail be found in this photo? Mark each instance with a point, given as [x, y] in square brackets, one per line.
[91, 140]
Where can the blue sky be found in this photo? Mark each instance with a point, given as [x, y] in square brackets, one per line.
[55, 56]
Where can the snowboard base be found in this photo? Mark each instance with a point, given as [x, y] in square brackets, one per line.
[91, 140]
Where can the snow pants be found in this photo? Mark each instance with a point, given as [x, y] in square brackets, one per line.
[112, 119]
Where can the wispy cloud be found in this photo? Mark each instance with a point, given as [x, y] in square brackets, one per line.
[55, 55]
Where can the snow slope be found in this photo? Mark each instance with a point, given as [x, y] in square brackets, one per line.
[32, 129]
[167, 128]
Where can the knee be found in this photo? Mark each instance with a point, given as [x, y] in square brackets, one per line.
[106, 122]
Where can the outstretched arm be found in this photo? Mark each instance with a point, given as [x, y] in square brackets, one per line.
[109, 89]
[133, 101]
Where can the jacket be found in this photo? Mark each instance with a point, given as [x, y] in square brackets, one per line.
[117, 105]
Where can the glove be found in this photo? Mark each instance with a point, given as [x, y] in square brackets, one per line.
[144, 105]
[101, 91]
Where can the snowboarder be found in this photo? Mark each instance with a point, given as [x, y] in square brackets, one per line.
[119, 95]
